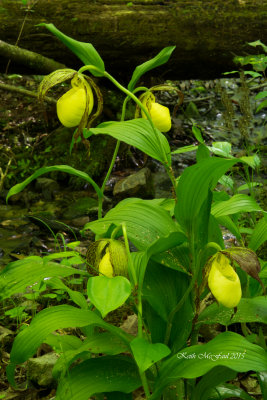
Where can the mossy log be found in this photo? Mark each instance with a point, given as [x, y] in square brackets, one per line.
[207, 33]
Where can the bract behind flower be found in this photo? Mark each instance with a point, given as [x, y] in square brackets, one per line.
[224, 282]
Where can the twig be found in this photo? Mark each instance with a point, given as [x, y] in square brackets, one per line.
[11, 88]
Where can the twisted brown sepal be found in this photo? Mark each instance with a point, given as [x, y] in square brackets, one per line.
[247, 260]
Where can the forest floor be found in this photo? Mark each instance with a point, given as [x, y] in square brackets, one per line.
[28, 129]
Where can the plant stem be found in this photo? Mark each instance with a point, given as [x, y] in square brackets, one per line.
[177, 308]
[100, 202]
[139, 103]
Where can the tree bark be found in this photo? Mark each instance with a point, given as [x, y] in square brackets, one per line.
[33, 60]
[207, 33]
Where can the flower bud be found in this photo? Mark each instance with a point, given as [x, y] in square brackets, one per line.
[118, 257]
[108, 257]
[160, 116]
[224, 282]
[72, 105]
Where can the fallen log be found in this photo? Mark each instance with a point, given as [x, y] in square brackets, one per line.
[207, 34]
[32, 60]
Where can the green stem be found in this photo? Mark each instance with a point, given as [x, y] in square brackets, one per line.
[139, 103]
[100, 201]
[177, 308]
[132, 273]
[145, 384]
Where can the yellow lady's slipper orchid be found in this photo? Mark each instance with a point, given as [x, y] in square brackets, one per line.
[224, 282]
[160, 115]
[72, 105]
[107, 257]
[105, 266]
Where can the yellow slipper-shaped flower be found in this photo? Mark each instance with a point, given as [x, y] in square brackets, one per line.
[224, 282]
[160, 114]
[105, 266]
[72, 105]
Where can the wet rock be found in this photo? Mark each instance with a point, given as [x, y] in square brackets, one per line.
[47, 186]
[139, 184]
[40, 369]
[130, 325]
[81, 207]
[80, 222]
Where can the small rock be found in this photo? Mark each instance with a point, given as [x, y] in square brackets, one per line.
[139, 184]
[80, 208]
[130, 325]
[40, 369]
[80, 222]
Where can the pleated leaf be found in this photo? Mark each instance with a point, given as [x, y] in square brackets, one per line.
[18, 275]
[237, 203]
[228, 391]
[161, 58]
[44, 170]
[248, 310]
[194, 186]
[59, 317]
[99, 375]
[84, 51]
[145, 221]
[211, 379]
[227, 349]
[259, 235]
[138, 133]
[105, 343]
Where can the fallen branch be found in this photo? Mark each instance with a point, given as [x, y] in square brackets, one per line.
[29, 58]
[11, 88]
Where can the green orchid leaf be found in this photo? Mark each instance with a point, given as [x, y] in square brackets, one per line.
[262, 105]
[252, 161]
[230, 225]
[98, 375]
[236, 204]
[145, 221]
[228, 391]
[44, 170]
[197, 133]
[185, 149]
[101, 343]
[46, 321]
[107, 294]
[194, 186]
[248, 310]
[20, 274]
[262, 378]
[161, 58]
[259, 235]
[163, 288]
[221, 149]
[84, 51]
[227, 349]
[77, 297]
[261, 95]
[138, 133]
[147, 354]
[210, 380]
